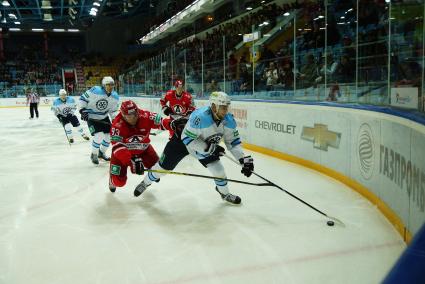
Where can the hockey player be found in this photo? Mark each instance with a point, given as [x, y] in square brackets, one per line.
[200, 137]
[63, 108]
[96, 106]
[177, 103]
[131, 143]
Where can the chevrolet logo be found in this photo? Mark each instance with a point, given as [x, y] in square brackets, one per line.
[321, 136]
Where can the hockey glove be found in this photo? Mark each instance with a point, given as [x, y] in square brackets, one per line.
[137, 166]
[84, 114]
[214, 156]
[177, 125]
[60, 117]
[247, 165]
[167, 110]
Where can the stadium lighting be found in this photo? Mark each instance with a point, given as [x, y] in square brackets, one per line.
[47, 17]
[286, 14]
[12, 16]
[14, 29]
[17, 23]
[93, 13]
[249, 8]
[46, 4]
[96, 4]
[58, 30]
[37, 30]
[73, 30]
[5, 3]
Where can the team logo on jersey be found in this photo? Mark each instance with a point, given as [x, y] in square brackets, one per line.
[178, 109]
[135, 139]
[214, 139]
[102, 104]
[66, 111]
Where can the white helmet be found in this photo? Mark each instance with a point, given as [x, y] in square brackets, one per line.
[62, 92]
[219, 99]
[107, 80]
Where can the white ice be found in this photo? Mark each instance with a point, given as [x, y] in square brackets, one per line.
[60, 224]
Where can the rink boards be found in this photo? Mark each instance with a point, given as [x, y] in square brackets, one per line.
[379, 155]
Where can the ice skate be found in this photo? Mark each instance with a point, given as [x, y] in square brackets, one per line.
[103, 156]
[140, 188]
[94, 159]
[231, 198]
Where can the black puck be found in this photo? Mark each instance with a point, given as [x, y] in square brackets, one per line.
[330, 223]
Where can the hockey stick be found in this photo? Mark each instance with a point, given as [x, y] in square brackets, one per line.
[292, 195]
[208, 177]
[66, 135]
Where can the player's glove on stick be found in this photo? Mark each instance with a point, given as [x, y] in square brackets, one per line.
[216, 151]
[60, 117]
[84, 114]
[167, 110]
[247, 165]
[137, 165]
[177, 125]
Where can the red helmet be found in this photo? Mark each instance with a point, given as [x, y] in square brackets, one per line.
[178, 83]
[129, 107]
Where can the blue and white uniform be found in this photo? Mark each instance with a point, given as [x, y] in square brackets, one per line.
[98, 104]
[64, 110]
[202, 130]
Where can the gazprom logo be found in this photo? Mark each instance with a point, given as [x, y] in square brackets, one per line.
[366, 150]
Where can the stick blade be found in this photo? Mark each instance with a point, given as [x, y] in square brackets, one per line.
[336, 220]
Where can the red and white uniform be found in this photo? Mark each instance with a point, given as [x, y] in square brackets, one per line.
[132, 141]
[180, 105]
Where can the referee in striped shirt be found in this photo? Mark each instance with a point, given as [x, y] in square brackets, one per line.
[33, 99]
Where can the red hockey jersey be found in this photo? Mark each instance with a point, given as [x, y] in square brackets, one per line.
[179, 105]
[133, 140]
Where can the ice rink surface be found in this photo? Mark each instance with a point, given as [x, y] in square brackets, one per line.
[60, 224]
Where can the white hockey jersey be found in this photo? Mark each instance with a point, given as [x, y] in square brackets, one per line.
[98, 104]
[201, 130]
[64, 108]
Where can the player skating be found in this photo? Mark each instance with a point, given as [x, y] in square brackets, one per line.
[97, 106]
[177, 103]
[200, 137]
[64, 108]
[131, 143]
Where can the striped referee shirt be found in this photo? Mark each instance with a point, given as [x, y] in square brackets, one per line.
[33, 98]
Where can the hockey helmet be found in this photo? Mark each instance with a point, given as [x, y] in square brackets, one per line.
[107, 80]
[129, 108]
[219, 99]
[178, 83]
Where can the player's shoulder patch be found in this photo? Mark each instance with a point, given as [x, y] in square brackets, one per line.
[156, 117]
